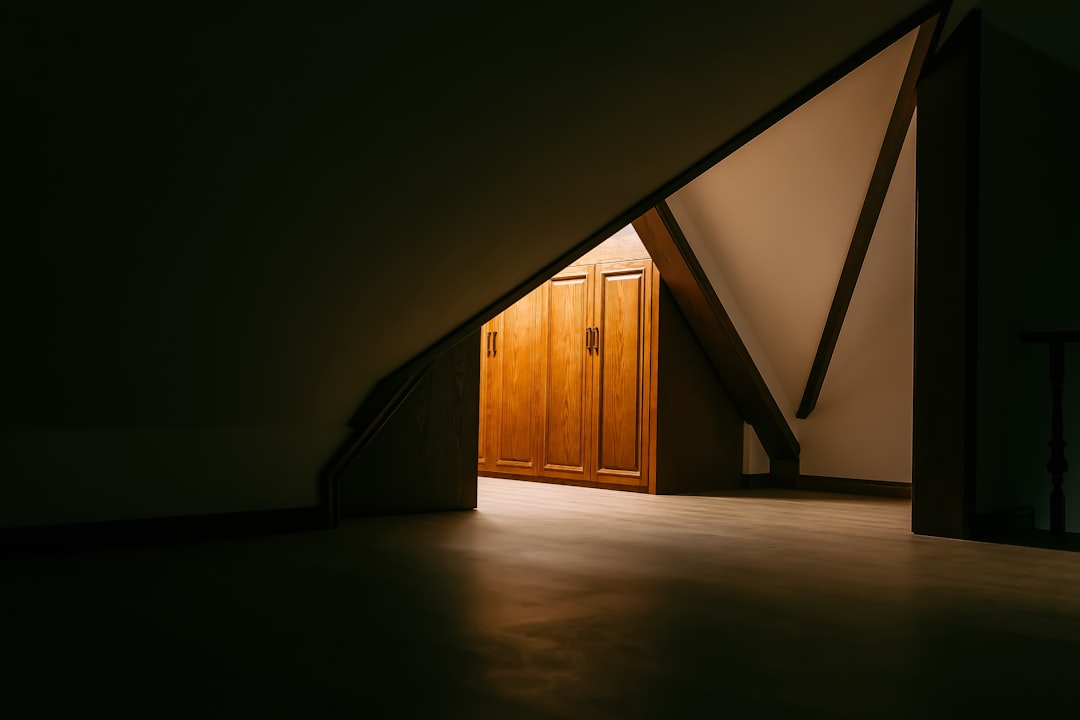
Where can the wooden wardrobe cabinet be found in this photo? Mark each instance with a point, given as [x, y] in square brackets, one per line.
[569, 385]
[596, 360]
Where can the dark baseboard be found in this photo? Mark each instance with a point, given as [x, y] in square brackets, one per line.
[820, 483]
[854, 486]
[152, 531]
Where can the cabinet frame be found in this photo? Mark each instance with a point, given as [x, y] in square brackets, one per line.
[591, 351]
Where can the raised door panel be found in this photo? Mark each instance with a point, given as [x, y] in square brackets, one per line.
[567, 415]
[486, 456]
[517, 399]
[623, 314]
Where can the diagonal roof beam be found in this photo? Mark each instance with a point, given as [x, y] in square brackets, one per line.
[697, 299]
[868, 216]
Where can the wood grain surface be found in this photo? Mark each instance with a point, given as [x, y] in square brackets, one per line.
[567, 386]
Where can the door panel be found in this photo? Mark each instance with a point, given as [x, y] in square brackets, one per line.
[566, 386]
[486, 459]
[622, 313]
[516, 357]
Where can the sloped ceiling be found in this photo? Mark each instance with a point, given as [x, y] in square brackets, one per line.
[771, 224]
[228, 180]
[236, 219]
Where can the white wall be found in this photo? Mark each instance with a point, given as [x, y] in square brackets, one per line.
[771, 226]
[861, 426]
[755, 459]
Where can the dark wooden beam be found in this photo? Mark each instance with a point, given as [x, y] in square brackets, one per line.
[887, 158]
[697, 299]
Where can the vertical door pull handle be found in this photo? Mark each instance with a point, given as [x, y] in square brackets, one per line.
[495, 342]
[489, 342]
[588, 340]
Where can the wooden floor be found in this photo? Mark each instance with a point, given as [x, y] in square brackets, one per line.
[556, 602]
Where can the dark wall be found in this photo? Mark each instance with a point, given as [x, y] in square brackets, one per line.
[1029, 269]
[424, 458]
[699, 441]
[997, 256]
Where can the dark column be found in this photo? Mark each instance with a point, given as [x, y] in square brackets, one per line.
[943, 432]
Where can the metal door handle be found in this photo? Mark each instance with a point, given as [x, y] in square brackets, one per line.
[489, 342]
[495, 342]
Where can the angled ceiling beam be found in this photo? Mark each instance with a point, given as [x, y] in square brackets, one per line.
[695, 296]
[887, 158]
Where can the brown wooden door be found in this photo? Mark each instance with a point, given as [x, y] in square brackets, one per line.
[567, 361]
[517, 407]
[622, 311]
[486, 455]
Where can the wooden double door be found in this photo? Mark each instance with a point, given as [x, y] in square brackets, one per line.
[566, 377]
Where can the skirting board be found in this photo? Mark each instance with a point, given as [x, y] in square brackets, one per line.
[150, 531]
[820, 483]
